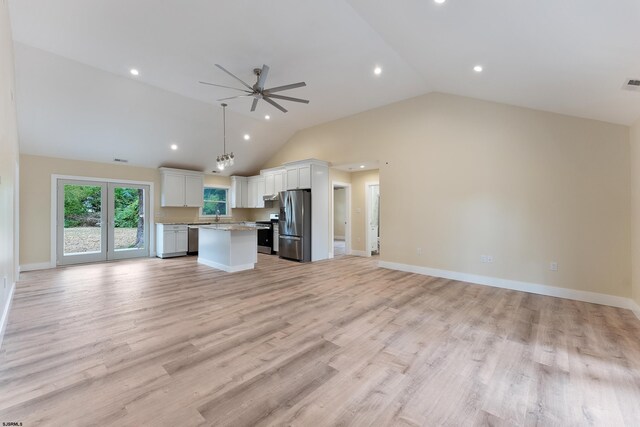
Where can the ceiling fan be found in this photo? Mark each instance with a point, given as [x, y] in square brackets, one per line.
[258, 91]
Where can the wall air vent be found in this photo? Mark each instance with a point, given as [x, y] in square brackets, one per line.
[632, 84]
[121, 160]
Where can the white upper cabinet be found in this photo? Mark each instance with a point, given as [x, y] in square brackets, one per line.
[298, 177]
[172, 189]
[269, 183]
[278, 182]
[256, 186]
[252, 194]
[273, 181]
[260, 192]
[193, 190]
[239, 192]
[304, 177]
[181, 188]
[292, 179]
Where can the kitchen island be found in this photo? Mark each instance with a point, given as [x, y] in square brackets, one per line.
[228, 247]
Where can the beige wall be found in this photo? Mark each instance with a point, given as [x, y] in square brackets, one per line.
[635, 210]
[35, 198]
[8, 164]
[339, 211]
[461, 178]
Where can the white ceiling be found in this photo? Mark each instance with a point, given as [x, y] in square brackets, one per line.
[76, 98]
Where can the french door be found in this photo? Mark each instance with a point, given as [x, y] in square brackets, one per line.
[101, 221]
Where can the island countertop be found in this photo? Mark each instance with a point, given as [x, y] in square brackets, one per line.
[234, 227]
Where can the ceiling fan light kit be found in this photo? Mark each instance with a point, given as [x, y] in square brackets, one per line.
[258, 91]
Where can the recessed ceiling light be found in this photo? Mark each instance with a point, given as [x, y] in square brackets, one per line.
[477, 68]
[377, 71]
[361, 166]
[247, 137]
[439, 1]
[267, 117]
[174, 147]
[134, 72]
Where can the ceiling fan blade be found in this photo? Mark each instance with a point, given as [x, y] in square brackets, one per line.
[275, 104]
[237, 78]
[254, 104]
[263, 76]
[287, 98]
[234, 97]
[285, 87]
[228, 87]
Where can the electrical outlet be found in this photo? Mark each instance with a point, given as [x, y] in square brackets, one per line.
[553, 266]
[4, 282]
[483, 258]
[489, 258]
[419, 251]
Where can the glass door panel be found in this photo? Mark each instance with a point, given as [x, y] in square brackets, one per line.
[81, 225]
[128, 224]
[99, 221]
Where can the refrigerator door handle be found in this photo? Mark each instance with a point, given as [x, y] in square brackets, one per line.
[290, 237]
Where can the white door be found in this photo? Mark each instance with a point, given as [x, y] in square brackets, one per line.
[100, 221]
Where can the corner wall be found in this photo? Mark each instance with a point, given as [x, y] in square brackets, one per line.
[461, 178]
[635, 212]
[9, 164]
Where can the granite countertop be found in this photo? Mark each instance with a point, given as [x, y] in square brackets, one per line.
[207, 223]
[235, 227]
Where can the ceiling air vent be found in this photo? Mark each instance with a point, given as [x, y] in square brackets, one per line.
[121, 160]
[632, 84]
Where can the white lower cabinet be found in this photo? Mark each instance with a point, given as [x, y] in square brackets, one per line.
[171, 240]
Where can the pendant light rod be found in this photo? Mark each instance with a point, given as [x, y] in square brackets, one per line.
[224, 128]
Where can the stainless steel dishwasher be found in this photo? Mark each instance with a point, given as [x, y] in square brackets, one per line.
[193, 240]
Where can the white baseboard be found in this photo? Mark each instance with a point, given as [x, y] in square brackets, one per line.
[4, 318]
[358, 253]
[635, 308]
[534, 288]
[37, 266]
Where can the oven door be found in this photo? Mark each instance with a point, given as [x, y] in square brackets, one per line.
[265, 240]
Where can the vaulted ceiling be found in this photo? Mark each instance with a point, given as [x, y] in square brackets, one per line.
[77, 99]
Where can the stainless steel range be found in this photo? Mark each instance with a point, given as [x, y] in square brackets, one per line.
[267, 238]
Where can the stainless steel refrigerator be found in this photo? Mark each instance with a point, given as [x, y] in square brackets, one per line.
[295, 225]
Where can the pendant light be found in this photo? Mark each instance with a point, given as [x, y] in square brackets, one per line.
[224, 160]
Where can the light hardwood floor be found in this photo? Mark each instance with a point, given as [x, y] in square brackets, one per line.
[341, 342]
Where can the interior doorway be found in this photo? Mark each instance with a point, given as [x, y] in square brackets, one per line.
[372, 219]
[341, 224]
[101, 221]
